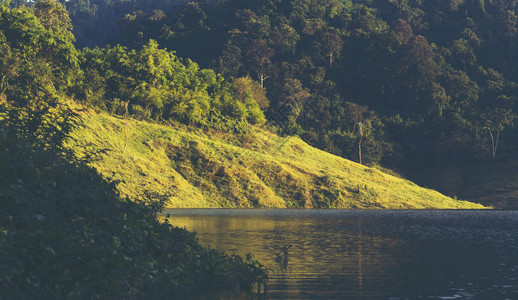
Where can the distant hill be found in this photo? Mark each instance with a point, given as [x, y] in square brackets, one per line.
[195, 168]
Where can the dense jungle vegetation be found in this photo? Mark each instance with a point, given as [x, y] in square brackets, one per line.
[433, 84]
[65, 232]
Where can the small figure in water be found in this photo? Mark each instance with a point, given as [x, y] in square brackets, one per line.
[282, 260]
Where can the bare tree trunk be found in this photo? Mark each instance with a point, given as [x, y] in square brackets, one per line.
[330, 59]
[494, 143]
[360, 129]
[262, 78]
[126, 126]
[3, 87]
[360, 148]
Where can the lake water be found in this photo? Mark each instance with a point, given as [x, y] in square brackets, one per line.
[370, 254]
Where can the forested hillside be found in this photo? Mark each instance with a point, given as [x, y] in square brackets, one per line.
[432, 83]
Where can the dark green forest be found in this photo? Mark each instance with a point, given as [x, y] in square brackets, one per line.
[432, 84]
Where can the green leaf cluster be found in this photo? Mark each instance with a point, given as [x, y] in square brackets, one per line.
[37, 65]
[159, 86]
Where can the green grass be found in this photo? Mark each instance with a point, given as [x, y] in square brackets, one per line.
[195, 168]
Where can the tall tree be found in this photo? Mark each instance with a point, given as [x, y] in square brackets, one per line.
[260, 54]
[495, 121]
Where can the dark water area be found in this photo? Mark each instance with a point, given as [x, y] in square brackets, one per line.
[370, 254]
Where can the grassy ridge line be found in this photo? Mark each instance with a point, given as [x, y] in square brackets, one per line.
[261, 169]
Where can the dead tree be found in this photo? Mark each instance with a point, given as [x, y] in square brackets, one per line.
[360, 130]
[126, 117]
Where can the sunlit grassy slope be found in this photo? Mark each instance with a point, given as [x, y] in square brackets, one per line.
[260, 169]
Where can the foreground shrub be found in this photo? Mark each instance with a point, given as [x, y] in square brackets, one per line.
[65, 233]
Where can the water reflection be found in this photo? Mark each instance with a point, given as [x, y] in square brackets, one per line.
[330, 254]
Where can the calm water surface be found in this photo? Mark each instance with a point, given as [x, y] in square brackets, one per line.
[370, 254]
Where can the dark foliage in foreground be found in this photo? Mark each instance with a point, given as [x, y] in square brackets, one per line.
[64, 232]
